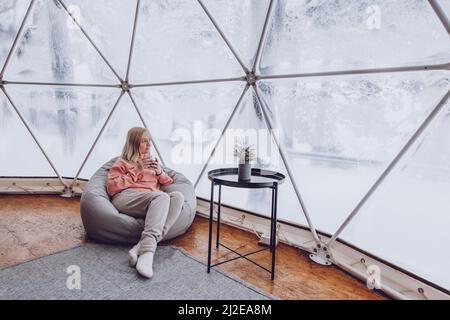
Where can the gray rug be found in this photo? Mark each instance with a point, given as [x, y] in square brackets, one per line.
[105, 274]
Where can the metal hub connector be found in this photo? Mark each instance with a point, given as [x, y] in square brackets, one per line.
[251, 78]
[68, 192]
[125, 86]
[321, 255]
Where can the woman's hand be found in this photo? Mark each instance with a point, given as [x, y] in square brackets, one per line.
[155, 165]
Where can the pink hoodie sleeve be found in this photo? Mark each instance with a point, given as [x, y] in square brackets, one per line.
[119, 178]
[165, 179]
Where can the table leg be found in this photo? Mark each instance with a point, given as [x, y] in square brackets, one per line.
[271, 220]
[211, 217]
[218, 217]
[274, 231]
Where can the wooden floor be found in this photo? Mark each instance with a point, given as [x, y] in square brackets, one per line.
[32, 226]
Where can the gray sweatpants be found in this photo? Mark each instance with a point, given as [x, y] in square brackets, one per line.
[159, 209]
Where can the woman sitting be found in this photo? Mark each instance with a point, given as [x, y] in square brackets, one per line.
[134, 184]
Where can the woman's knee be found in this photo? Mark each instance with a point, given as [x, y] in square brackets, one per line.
[163, 197]
[176, 195]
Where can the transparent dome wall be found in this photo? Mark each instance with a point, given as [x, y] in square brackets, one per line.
[347, 98]
[411, 209]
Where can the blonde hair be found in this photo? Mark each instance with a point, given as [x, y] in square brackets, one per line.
[130, 151]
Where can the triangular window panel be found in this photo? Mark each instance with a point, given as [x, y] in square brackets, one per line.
[242, 23]
[65, 120]
[340, 133]
[20, 155]
[317, 36]
[410, 209]
[12, 14]
[249, 124]
[113, 138]
[52, 49]
[109, 23]
[176, 41]
[186, 121]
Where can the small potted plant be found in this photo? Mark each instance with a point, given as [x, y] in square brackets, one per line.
[245, 153]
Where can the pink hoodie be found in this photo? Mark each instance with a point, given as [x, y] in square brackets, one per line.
[124, 175]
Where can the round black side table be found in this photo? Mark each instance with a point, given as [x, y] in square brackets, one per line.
[260, 179]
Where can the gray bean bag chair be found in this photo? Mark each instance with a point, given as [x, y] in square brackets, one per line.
[103, 222]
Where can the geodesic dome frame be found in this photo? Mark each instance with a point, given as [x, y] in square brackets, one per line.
[324, 246]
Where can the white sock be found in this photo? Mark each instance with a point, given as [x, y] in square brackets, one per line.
[145, 264]
[133, 255]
